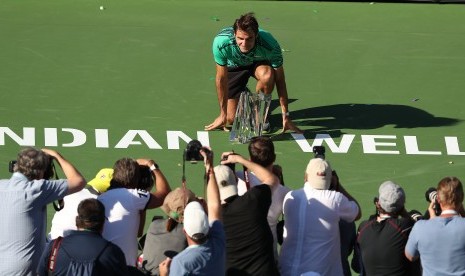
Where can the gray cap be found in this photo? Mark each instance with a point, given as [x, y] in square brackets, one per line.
[391, 197]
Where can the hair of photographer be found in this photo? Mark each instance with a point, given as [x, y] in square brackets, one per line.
[126, 174]
[261, 151]
[91, 215]
[33, 163]
[450, 194]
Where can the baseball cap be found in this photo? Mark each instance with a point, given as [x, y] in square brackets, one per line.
[391, 197]
[175, 202]
[195, 219]
[226, 180]
[319, 174]
[101, 182]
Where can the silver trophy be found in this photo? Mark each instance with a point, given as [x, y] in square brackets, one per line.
[250, 117]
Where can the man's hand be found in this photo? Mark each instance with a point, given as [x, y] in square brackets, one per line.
[219, 122]
[145, 162]
[207, 154]
[289, 125]
[164, 267]
[53, 153]
[432, 212]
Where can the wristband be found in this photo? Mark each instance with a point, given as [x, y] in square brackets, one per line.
[154, 167]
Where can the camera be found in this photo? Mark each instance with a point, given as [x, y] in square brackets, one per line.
[12, 166]
[232, 166]
[50, 172]
[431, 196]
[147, 179]
[192, 151]
[319, 151]
[415, 215]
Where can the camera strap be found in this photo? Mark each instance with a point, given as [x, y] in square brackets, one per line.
[53, 255]
[60, 203]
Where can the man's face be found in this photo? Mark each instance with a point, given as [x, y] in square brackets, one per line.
[245, 40]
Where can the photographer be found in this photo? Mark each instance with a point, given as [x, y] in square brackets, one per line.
[310, 245]
[440, 241]
[261, 151]
[125, 201]
[24, 199]
[389, 231]
[249, 241]
[205, 235]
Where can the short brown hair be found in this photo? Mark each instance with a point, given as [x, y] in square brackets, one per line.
[91, 215]
[450, 191]
[261, 151]
[33, 163]
[126, 174]
[247, 23]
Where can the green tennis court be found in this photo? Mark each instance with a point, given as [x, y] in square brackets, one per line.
[379, 84]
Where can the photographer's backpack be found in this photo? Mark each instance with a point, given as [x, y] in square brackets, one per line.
[76, 267]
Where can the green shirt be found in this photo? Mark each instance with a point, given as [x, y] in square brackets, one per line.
[227, 53]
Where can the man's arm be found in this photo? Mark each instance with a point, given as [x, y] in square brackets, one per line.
[264, 175]
[283, 100]
[76, 181]
[410, 257]
[337, 186]
[222, 93]
[213, 194]
[162, 188]
[350, 198]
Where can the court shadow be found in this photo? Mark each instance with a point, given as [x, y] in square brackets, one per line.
[332, 119]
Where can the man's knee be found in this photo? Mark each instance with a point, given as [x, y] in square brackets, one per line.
[265, 79]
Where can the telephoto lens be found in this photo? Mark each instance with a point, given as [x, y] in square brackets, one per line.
[415, 215]
[431, 194]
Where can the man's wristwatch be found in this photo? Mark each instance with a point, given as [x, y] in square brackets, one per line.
[154, 167]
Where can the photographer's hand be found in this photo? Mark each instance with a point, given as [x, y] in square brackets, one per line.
[145, 162]
[229, 157]
[53, 153]
[162, 187]
[207, 154]
[432, 212]
[213, 194]
[76, 181]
